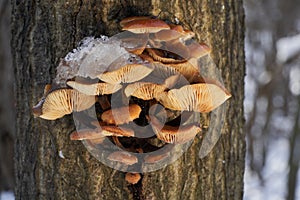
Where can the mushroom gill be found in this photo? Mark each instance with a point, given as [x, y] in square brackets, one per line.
[127, 74]
[174, 134]
[200, 97]
[61, 102]
[94, 88]
[144, 90]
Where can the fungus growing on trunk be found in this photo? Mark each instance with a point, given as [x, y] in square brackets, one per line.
[145, 26]
[132, 178]
[123, 157]
[94, 88]
[61, 102]
[202, 97]
[127, 74]
[175, 135]
[121, 115]
[146, 88]
[106, 130]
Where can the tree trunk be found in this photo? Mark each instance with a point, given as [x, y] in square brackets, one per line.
[45, 31]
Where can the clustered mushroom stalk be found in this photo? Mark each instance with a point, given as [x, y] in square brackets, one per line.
[152, 63]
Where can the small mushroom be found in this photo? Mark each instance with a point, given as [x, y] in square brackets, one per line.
[197, 50]
[61, 102]
[178, 48]
[164, 56]
[95, 88]
[124, 21]
[121, 115]
[202, 97]
[127, 74]
[144, 90]
[174, 135]
[160, 73]
[123, 157]
[145, 26]
[166, 36]
[135, 43]
[47, 89]
[91, 134]
[155, 158]
[186, 69]
[172, 35]
[187, 34]
[132, 178]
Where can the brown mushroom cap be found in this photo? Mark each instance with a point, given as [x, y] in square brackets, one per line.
[186, 69]
[121, 115]
[91, 134]
[135, 43]
[175, 135]
[123, 157]
[198, 50]
[126, 20]
[187, 34]
[161, 56]
[95, 88]
[173, 34]
[132, 178]
[178, 48]
[47, 89]
[144, 90]
[200, 97]
[145, 26]
[127, 74]
[166, 36]
[155, 158]
[61, 102]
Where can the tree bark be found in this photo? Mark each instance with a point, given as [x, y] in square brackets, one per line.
[45, 31]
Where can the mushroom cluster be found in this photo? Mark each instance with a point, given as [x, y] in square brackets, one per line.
[156, 82]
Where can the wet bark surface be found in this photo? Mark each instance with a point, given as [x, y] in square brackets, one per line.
[45, 31]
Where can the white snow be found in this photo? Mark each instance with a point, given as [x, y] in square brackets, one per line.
[7, 195]
[294, 83]
[287, 47]
[92, 57]
[274, 174]
[61, 155]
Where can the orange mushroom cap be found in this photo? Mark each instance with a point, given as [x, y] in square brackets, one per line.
[94, 88]
[123, 157]
[202, 97]
[175, 135]
[127, 74]
[144, 90]
[155, 158]
[90, 134]
[132, 178]
[61, 102]
[145, 26]
[121, 115]
[126, 20]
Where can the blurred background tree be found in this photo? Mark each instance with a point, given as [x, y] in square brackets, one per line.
[7, 128]
[272, 91]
